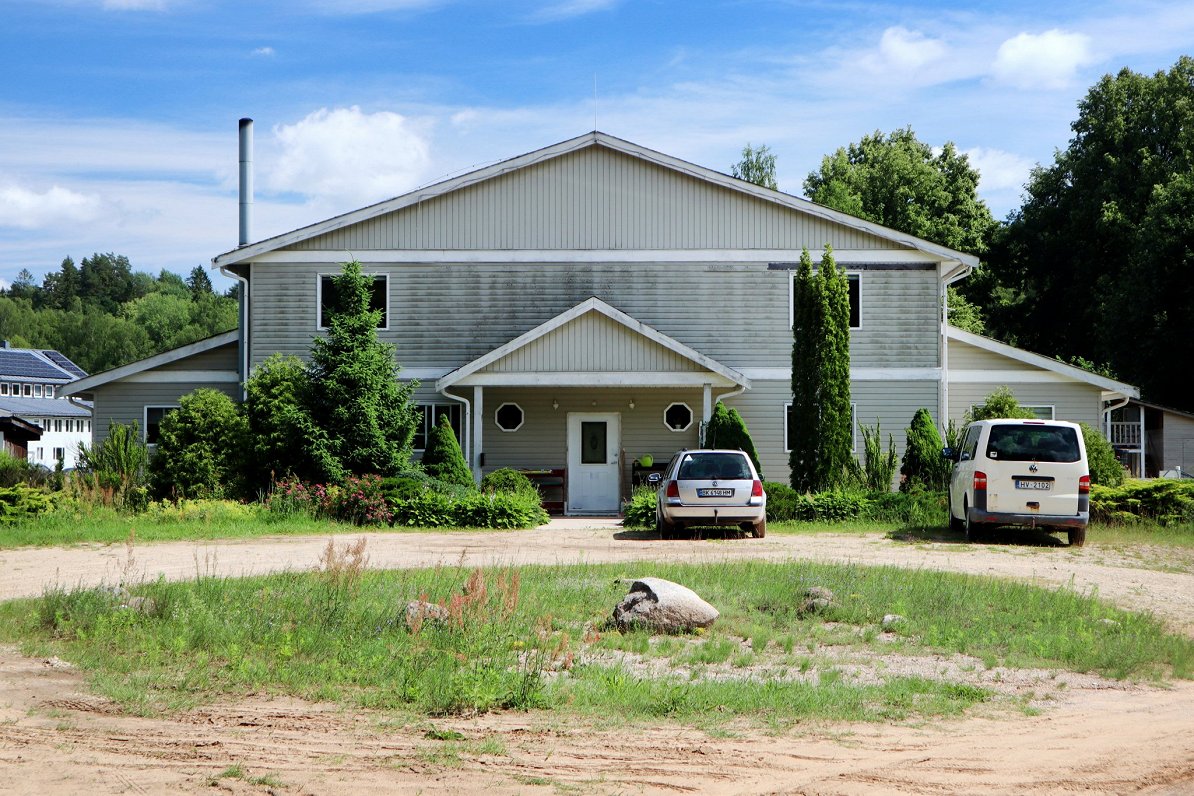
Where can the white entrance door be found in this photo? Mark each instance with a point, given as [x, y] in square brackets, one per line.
[594, 440]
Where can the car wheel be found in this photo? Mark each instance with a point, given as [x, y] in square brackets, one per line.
[664, 528]
[955, 524]
[1077, 536]
[760, 528]
[971, 529]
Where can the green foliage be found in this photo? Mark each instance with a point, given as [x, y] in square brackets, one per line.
[500, 510]
[355, 396]
[507, 479]
[757, 166]
[998, 405]
[878, 466]
[900, 182]
[200, 447]
[442, 458]
[923, 466]
[639, 511]
[821, 455]
[918, 508]
[1105, 468]
[114, 471]
[15, 471]
[1162, 501]
[22, 502]
[728, 430]
[1102, 242]
[284, 440]
[785, 503]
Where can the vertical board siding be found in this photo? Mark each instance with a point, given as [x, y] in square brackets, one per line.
[595, 198]
[1177, 443]
[448, 314]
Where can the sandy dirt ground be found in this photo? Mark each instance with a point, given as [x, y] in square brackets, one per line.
[1091, 735]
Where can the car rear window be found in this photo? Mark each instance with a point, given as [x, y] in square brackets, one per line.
[709, 466]
[1033, 444]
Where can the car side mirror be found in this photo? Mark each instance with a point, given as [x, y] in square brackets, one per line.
[947, 453]
[654, 478]
[965, 457]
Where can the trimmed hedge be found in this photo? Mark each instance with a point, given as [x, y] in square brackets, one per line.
[1164, 501]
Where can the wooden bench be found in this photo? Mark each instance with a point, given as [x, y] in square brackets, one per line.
[553, 486]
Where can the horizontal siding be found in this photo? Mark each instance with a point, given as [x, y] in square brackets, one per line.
[1079, 403]
[595, 198]
[124, 403]
[448, 314]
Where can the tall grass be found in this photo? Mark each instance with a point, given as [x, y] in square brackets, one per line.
[536, 637]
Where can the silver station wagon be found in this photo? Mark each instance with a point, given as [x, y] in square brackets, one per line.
[709, 487]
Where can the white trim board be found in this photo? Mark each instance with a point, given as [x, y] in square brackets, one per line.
[179, 376]
[469, 256]
[99, 379]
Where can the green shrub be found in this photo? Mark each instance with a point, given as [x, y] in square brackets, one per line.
[20, 502]
[919, 507]
[639, 511]
[411, 483]
[508, 480]
[199, 449]
[443, 458]
[878, 467]
[113, 472]
[500, 510]
[1105, 468]
[15, 471]
[923, 466]
[1163, 501]
[785, 503]
[999, 404]
[358, 500]
[425, 509]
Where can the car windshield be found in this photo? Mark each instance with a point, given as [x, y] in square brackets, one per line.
[713, 466]
[1033, 444]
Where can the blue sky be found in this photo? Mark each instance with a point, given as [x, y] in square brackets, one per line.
[118, 118]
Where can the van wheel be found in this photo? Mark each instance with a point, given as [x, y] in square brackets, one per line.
[971, 529]
[1077, 536]
[955, 524]
[760, 528]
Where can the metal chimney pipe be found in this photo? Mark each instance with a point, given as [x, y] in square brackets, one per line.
[246, 180]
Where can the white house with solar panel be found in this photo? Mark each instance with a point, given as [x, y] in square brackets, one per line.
[31, 384]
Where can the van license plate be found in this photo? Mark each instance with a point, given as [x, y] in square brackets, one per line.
[715, 493]
[1034, 484]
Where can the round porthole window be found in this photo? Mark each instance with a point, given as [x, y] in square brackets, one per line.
[508, 417]
[677, 417]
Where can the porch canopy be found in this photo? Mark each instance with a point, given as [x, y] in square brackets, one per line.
[592, 345]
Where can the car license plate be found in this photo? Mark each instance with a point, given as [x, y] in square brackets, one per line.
[1033, 484]
[715, 493]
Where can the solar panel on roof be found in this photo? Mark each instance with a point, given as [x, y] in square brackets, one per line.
[59, 359]
[24, 364]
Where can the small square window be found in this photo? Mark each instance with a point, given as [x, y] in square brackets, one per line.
[153, 422]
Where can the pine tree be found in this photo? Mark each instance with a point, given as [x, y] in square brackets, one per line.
[442, 458]
[354, 393]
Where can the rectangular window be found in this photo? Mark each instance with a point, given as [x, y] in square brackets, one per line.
[16, 389]
[379, 299]
[59, 454]
[49, 390]
[4, 388]
[58, 424]
[429, 415]
[36, 390]
[28, 391]
[153, 422]
[854, 282]
[789, 431]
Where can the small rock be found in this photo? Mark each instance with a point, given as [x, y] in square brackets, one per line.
[58, 663]
[817, 599]
[418, 611]
[1110, 623]
[142, 605]
[664, 607]
[891, 620]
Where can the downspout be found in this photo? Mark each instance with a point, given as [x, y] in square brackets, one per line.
[1107, 430]
[243, 319]
[466, 427]
[741, 388]
[943, 385]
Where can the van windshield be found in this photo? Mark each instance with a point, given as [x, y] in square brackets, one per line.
[1033, 444]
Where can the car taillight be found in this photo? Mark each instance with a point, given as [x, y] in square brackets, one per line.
[673, 489]
[1084, 485]
[980, 480]
[756, 489]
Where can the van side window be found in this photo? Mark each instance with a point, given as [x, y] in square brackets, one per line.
[970, 445]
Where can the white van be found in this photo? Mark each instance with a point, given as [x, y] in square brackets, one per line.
[1020, 472]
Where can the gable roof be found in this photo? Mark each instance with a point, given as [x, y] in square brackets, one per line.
[588, 140]
[687, 365]
[165, 358]
[1043, 362]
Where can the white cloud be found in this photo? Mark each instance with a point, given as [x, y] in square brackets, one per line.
[347, 156]
[999, 170]
[22, 208]
[264, 52]
[908, 50]
[1049, 60]
[571, 8]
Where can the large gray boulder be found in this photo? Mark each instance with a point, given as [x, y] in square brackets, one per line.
[663, 607]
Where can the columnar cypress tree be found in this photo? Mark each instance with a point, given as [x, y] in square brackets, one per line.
[804, 422]
[354, 394]
[820, 423]
[443, 458]
[728, 430]
[833, 463]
